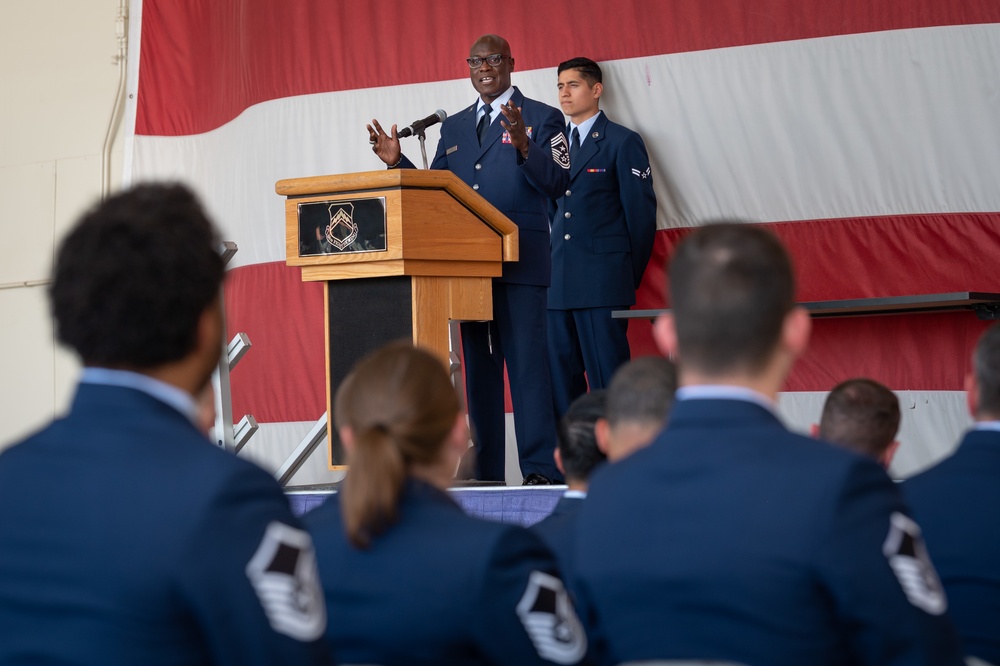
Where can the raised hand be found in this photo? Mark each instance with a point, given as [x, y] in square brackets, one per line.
[515, 127]
[385, 145]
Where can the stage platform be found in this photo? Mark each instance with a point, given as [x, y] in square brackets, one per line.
[505, 504]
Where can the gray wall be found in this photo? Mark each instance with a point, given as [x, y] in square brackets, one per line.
[59, 80]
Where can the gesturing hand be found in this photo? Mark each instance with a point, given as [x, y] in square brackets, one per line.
[515, 127]
[384, 145]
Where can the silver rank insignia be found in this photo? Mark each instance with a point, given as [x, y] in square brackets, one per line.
[548, 616]
[560, 150]
[284, 575]
[642, 174]
[904, 548]
[342, 230]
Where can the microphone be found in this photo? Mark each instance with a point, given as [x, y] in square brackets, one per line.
[419, 126]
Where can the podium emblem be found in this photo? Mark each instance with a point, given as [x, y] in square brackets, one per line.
[342, 226]
[342, 231]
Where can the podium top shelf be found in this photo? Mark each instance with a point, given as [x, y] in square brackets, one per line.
[368, 180]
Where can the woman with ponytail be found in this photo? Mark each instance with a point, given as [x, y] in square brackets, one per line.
[408, 577]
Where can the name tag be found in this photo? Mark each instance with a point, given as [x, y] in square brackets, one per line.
[451, 150]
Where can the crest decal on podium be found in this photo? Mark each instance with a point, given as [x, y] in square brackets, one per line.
[342, 226]
[342, 231]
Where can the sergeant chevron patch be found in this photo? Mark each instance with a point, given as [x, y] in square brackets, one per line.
[904, 548]
[560, 150]
[548, 616]
[284, 576]
[642, 174]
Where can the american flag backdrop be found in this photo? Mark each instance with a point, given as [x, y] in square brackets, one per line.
[866, 133]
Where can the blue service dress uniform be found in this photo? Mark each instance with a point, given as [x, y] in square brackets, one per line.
[126, 537]
[956, 504]
[441, 587]
[603, 230]
[521, 190]
[730, 538]
[558, 532]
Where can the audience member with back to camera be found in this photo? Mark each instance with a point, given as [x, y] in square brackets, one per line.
[143, 543]
[730, 537]
[863, 416]
[577, 456]
[957, 502]
[409, 578]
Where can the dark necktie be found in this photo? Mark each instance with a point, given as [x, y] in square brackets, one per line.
[575, 144]
[484, 123]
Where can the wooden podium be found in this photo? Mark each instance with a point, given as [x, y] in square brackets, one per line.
[401, 252]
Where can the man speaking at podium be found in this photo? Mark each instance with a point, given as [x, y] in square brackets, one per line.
[512, 151]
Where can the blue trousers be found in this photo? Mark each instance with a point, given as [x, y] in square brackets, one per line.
[586, 346]
[516, 337]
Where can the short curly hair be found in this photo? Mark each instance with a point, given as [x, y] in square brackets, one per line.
[133, 277]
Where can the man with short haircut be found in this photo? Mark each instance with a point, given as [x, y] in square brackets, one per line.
[731, 538]
[602, 237]
[639, 400]
[126, 537]
[957, 503]
[577, 456]
[863, 416]
[511, 150]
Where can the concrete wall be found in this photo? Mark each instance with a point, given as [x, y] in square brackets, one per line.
[59, 82]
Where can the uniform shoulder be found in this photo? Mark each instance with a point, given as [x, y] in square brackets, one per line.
[215, 475]
[453, 118]
[529, 105]
[619, 131]
[623, 472]
[17, 450]
[931, 477]
[812, 453]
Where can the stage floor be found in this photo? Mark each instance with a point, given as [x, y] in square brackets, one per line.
[505, 504]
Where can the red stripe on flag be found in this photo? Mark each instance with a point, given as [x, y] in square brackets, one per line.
[869, 257]
[889, 256]
[914, 352]
[203, 63]
[283, 378]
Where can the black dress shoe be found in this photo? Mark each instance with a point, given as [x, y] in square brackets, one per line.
[535, 479]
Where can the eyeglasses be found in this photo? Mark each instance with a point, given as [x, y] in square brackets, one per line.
[494, 59]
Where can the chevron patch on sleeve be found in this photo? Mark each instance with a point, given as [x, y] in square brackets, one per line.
[560, 150]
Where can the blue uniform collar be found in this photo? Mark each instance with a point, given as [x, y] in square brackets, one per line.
[716, 392]
[494, 105]
[583, 128]
[180, 400]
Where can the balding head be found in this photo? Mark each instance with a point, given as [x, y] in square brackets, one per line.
[489, 80]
